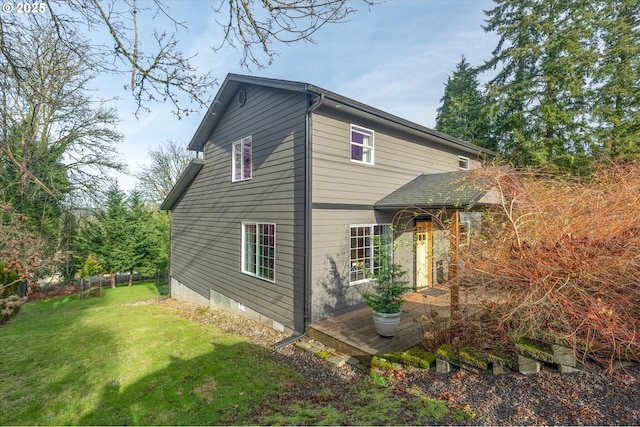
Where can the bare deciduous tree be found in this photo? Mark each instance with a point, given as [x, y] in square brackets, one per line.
[168, 162]
[54, 137]
[160, 71]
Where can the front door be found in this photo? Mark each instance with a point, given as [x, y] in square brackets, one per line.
[423, 239]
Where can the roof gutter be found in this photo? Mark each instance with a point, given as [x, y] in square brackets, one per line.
[307, 221]
[404, 124]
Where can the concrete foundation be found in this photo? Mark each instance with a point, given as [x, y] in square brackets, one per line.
[221, 302]
[181, 293]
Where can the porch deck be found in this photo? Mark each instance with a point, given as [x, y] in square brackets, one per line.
[354, 334]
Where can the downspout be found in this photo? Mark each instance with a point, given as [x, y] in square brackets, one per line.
[307, 222]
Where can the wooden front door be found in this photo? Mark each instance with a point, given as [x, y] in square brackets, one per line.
[424, 261]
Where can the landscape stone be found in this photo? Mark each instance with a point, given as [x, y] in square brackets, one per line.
[353, 361]
[339, 361]
[564, 369]
[528, 366]
[563, 355]
[442, 366]
[303, 345]
[499, 369]
[468, 368]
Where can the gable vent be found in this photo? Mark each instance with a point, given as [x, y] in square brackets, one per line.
[242, 97]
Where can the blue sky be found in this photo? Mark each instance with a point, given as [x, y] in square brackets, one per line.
[395, 56]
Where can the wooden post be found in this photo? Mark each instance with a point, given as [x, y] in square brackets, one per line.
[453, 265]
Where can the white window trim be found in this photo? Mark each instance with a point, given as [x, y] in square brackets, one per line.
[365, 280]
[371, 133]
[240, 142]
[463, 159]
[243, 254]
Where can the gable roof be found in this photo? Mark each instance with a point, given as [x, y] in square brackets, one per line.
[233, 82]
[456, 189]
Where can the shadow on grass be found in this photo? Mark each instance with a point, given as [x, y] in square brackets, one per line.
[217, 388]
[42, 348]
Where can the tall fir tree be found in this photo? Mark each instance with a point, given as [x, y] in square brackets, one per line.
[110, 234]
[616, 95]
[544, 58]
[463, 112]
[143, 240]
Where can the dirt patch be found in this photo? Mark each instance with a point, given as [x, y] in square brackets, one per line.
[36, 293]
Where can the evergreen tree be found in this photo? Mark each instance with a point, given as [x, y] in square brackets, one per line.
[142, 240]
[109, 235]
[545, 55]
[127, 235]
[464, 110]
[616, 96]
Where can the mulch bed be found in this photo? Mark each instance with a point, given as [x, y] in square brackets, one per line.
[36, 293]
[590, 397]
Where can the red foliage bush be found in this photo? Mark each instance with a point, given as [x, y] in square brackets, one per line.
[18, 255]
[560, 257]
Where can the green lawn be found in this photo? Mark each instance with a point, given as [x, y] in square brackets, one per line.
[103, 361]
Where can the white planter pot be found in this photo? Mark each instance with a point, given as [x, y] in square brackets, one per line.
[386, 323]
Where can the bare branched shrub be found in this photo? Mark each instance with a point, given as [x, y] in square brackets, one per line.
[18, 255]
[562, 257]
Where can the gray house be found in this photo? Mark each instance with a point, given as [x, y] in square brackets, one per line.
[277, 214]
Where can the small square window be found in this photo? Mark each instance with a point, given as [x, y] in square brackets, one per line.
[463, 163]
[241, 166]
[361, 145]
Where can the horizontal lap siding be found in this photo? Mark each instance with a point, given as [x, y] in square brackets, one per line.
[332, 294]
[398, 159]
[207, 222]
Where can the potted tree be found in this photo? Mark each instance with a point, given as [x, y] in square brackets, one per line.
[388, 287]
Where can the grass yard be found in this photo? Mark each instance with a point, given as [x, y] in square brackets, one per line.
[99, 362]
[111, 361]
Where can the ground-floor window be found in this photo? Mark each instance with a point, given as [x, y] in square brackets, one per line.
[362, 244]
[259, 250]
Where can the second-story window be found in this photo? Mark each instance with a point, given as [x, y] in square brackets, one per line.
[361, 145]
[241, 166]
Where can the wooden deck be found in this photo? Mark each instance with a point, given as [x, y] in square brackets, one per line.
[354, 334]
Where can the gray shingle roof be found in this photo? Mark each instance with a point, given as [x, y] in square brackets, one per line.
[233, 82]
[434, 191]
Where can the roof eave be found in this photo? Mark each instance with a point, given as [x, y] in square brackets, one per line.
[403, 123]
[225, 95]
[233, 81]
[190, 173]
